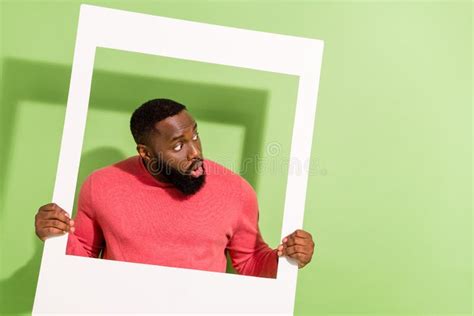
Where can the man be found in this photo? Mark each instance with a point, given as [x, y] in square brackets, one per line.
[170, 206]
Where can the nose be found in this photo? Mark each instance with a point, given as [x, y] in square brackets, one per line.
[193, 152]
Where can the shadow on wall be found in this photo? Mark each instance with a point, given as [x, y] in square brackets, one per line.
[49, 83]
[17, 292]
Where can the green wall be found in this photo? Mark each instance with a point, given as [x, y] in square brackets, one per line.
[389, 198]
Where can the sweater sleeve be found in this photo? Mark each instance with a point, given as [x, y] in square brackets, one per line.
[249, 253]
[87, 239]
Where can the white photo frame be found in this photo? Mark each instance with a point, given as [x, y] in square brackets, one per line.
[74, 285]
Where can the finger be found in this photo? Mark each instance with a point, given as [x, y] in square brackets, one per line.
[298, 233]
[280, 250]
[54, 223]
[290, 241]
[59, 210]
[302, 259]
[58, 215]
[302, 234]
[50, 232]
[287, 238]
[293, 240]
[296, 249]
[50, 207]
[284, 240]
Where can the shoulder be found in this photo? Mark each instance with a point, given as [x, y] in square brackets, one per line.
[117, 171]
[217, 171]
[228, 178]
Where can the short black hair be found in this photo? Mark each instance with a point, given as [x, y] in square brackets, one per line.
[148, 114]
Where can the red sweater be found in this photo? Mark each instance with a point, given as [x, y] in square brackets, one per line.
[127, 214]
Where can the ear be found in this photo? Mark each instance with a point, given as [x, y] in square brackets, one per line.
[144, 152]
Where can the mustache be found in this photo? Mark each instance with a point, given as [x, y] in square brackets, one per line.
[157, 165]
[194, 164]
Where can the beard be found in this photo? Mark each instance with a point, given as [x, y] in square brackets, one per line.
[185, 183]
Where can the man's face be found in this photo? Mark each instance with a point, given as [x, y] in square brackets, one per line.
[175, 153]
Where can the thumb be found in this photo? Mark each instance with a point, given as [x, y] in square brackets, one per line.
[280, 250]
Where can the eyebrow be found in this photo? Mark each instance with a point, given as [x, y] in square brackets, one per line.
[181, 136]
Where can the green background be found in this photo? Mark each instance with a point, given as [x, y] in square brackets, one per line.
[389, 199]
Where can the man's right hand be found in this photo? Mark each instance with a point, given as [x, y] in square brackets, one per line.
[51, 220]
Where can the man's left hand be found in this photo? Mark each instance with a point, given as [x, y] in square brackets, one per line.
[298, 246]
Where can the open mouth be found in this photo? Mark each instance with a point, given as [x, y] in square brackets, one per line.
[196, 170]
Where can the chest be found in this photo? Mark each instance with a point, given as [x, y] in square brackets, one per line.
[154, 216]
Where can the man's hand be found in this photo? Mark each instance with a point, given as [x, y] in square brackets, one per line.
[298, 246]
[51, 220]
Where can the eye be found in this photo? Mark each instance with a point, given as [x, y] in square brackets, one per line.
[178, 147]
[196, 136]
